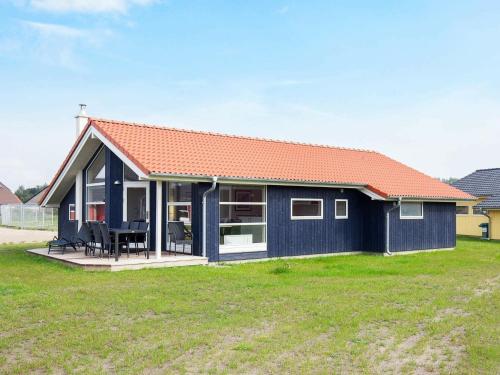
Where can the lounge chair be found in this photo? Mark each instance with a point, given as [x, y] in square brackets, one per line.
[82, 238]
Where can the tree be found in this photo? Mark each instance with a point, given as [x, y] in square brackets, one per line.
[449, 180]
[25, 194]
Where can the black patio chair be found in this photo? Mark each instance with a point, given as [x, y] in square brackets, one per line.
[141, 238]
[97, 237]
[178, 234]
[85, 238]
[108, 242]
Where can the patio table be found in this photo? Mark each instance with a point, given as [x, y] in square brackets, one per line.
[118, 231]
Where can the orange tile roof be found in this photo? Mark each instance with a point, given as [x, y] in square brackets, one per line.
[159, 150]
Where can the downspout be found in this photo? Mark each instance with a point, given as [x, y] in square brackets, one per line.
[204, 229]
[388, 229]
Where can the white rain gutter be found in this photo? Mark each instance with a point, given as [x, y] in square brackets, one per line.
[388, 227]
[204, 229]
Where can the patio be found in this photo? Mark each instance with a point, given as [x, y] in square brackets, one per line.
[134, 262]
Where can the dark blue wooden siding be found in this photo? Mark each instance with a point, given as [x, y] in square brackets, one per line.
[66, 228]
[287, 237]
[435, 231]
[114, 192]
[374, 225]
[212, 221]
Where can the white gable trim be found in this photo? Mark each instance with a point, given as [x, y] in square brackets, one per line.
[372, 195]
[91, 132]
[67, 167]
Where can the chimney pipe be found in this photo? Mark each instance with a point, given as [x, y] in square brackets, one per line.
[81, 119]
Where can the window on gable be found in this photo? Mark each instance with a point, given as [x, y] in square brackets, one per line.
[96, 188]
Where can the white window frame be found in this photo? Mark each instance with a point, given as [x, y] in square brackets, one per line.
[401, 217]
[346, 209]
[229, 249]
[71, 207]
[177, 204]
[87, 185]
[306, 217]
[135, 184]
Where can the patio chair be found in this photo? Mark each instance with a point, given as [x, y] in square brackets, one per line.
[97, 236]
[60, 243]
[141, 238]
[86, 238]
[178, 234]
[108, 242]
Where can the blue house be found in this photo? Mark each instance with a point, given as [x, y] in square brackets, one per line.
[248, 198]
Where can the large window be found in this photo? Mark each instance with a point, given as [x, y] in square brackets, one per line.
[179, 202]
[411, 210]
[242, 218]
[462, 210]
[306, 209]
[96, 188]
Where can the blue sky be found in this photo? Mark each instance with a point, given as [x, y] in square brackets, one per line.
[416, 80]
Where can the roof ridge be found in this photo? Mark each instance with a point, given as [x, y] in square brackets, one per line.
[183, 130]
[487, 169]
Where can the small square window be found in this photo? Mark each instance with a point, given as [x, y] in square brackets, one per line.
[341, 209]
[71, 212]
[462, 210]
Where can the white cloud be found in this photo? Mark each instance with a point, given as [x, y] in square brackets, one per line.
[54, 30]
[56, 44]
[88, 6]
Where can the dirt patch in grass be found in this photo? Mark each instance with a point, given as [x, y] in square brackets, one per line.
[207, 359]
[306, 351]
[488, 287]
[416, 353]
[451, 311]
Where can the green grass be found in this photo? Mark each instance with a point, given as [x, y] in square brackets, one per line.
[363, 314]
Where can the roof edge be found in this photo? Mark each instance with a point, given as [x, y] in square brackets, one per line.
[64, 163]
[184, 130]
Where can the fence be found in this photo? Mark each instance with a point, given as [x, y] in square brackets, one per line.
[28, 216]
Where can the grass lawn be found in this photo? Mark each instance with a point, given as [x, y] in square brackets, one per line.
[437, 312]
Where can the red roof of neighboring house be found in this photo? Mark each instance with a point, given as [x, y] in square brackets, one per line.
[7, 197]
[159, 150]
